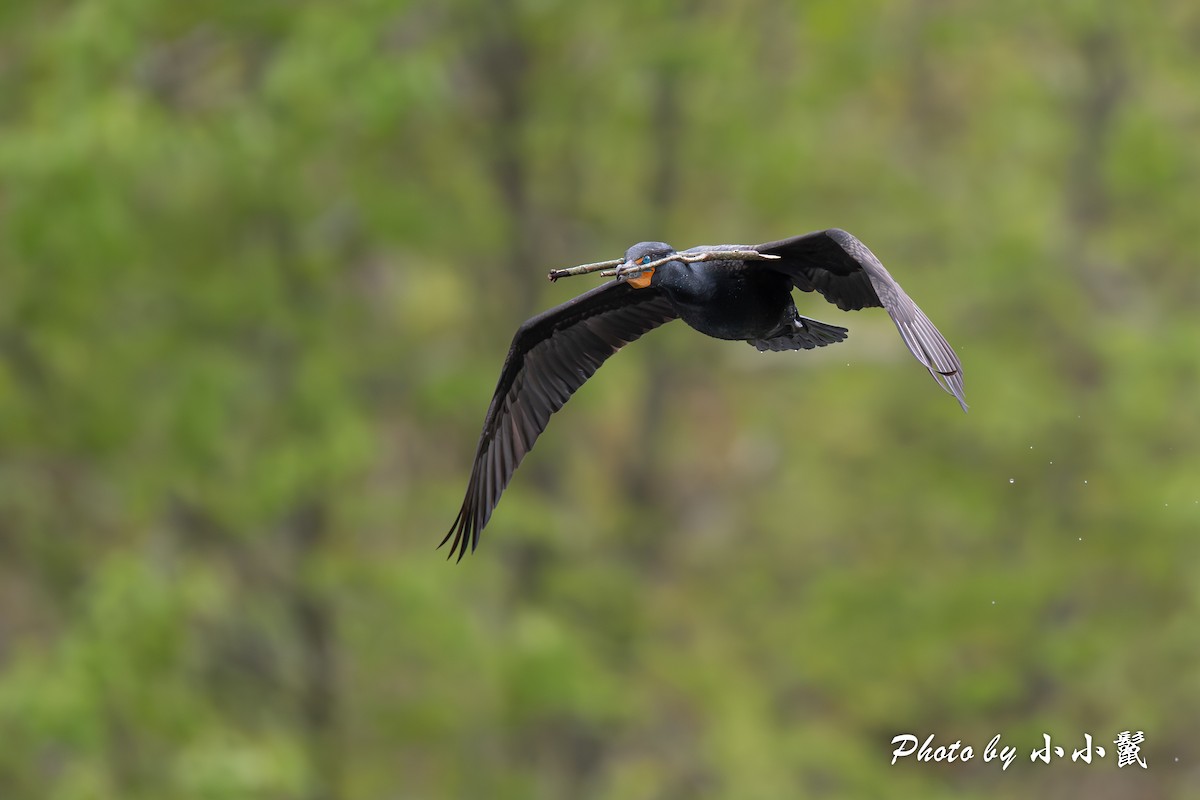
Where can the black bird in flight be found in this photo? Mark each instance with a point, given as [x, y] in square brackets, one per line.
[724, 291]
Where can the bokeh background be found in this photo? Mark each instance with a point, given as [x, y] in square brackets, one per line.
[259, 267]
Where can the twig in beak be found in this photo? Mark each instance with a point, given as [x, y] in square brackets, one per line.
[618, 267]
[689, 258]
[583, 269]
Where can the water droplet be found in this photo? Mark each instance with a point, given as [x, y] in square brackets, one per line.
[1012, 480]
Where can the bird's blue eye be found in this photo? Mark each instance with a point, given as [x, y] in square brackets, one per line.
[644, 260]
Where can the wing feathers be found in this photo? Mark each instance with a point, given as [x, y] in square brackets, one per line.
[551, 356]
[845, 272]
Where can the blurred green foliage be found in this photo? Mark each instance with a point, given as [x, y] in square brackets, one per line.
[259, 263]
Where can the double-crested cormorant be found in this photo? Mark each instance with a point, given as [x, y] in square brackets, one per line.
[745, 295]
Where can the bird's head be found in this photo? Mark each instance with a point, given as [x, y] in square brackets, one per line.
[645, 253]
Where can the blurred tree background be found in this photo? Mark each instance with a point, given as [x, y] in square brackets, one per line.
[259, 266]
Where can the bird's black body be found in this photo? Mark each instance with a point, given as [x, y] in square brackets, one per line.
[735, 298]
[727, 300]
[724, 300]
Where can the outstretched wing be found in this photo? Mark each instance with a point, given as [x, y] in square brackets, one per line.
[849, 275]
[551, 356]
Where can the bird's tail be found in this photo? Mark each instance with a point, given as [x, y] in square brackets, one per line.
[802, 334]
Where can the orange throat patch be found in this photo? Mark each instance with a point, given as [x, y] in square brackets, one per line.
[641, 281]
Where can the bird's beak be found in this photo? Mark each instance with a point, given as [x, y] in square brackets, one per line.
[638, 280]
